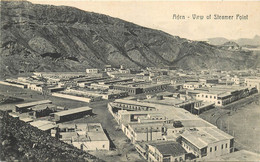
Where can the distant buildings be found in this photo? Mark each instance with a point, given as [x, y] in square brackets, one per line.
[137, 88]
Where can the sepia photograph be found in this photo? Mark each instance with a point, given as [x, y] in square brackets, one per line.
[137, 81]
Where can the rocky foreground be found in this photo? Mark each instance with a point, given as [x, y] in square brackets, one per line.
[21, 141]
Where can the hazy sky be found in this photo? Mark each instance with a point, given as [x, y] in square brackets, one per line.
[159, 15]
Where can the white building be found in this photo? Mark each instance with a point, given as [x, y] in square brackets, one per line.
[207, 142]
[92, 71]
[253, 82]
[90, 136]
[222, 95]
[162, 151]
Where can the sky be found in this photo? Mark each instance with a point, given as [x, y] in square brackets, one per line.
[159, 15]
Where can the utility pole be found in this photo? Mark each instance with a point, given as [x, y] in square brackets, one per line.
[228, 126]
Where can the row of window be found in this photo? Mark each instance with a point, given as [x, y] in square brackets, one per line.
[208, 96]
[216, 147]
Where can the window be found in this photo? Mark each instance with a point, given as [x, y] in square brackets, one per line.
[218, 102]
[103, 146]
[226, 145]
[210, 96]
[210, 149]
[215, 148]
[198, 95]
[214, 97]
[202, 95]
[206, 96]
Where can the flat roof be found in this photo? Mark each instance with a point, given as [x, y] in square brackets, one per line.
[26, 119]
[192, 123]
[138, 112]
[170, 112]
[165, 101]
[43, 106]
[40, 123]
[73, 111]
[47, 127]
[97, 136]
[84, 132]
[29, 104]
[169, 148]
[202, 137]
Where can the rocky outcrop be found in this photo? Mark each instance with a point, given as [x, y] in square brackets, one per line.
[23, 142]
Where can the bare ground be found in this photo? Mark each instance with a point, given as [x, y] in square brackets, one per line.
[241, 119]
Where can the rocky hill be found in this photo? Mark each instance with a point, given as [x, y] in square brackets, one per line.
[50, 38]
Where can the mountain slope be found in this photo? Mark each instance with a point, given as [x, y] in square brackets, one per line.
[241, 42]
[217, 41]
[252, 42]
[50, 38]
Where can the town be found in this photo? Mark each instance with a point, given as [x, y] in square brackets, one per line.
[152, 114]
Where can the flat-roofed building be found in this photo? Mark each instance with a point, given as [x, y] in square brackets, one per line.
[124, 117]
[144, 131]
[44, 125]
[125, 104]
[105, 94]
[238, 80]
[94, 71]
[87, 136]
[162, 151]
[192, 85]
[24, 107]
[222, 95]
[71, 114]
[181, 101]
[68, 94]
[170, 112]
[207, 142]
[148, 88]
[42, 110]
[131, 90]
[208, 81]
[173, 128]
[141, 87]
[253, 82]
